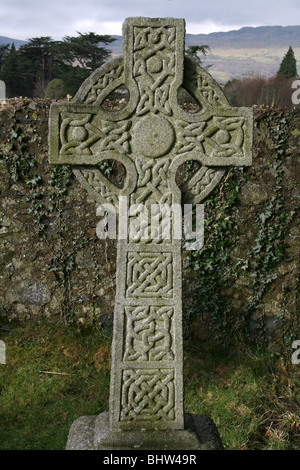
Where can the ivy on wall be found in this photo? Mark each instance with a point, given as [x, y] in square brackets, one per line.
[216, 270]
[275, 219]
[24, 168]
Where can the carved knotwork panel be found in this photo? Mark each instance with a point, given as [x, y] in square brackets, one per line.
[149, 275]
[149, 333]
[154, 67]
[148, 395]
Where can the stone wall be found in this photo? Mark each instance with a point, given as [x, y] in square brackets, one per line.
[53, 265]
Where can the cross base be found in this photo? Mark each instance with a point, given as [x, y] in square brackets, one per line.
[93, 433]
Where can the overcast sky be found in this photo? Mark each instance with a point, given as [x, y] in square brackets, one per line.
[23, 19]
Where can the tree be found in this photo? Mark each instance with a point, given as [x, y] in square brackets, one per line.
[4, 49]
[11, 74]
[245, 91]
[193, 53]
[55, 89]
[28, 70]
[72, 77]
[288, 66]
[84, 50]
[38, 56]
[268, 91]
[79, 56]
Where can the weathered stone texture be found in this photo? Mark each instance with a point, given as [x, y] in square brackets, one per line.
[93, 433]
[29, 288]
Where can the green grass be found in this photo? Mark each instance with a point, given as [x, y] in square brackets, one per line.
[254, 399]
[52, 376]
[55, 374]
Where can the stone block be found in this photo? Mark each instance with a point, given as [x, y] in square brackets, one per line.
[93, 433]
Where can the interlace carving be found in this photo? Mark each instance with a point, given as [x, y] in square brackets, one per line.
[150, 275]
[152, 183]
[104, 81]
[79, 133]
[148, 395]
[217, 137]
[201, 84]
[154, 68]
[149, 333]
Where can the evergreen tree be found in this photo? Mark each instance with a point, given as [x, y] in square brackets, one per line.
[37, 58]
[193, 53]
[288, 66]
[85, 50]
[28, 70]
[4, 49]
[72, 77]
[11, 74]
[79, 56]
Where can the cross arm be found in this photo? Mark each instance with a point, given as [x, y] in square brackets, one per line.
[79, 136]
[219, 139]
[73, 132]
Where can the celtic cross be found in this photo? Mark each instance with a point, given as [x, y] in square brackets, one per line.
[151, 137]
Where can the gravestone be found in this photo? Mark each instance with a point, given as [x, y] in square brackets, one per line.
[152, 136]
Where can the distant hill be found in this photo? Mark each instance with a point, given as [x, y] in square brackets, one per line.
[116, 46]
[17, 42]
[249, 37]
[248, 51]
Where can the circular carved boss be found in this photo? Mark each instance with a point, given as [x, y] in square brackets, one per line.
[153, 136]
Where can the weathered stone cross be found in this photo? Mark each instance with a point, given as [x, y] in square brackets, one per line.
[151, 136]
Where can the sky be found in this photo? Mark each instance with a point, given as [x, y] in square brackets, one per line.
[24, 19]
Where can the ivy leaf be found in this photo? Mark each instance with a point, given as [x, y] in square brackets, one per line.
[263, 217]
[13, 134]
